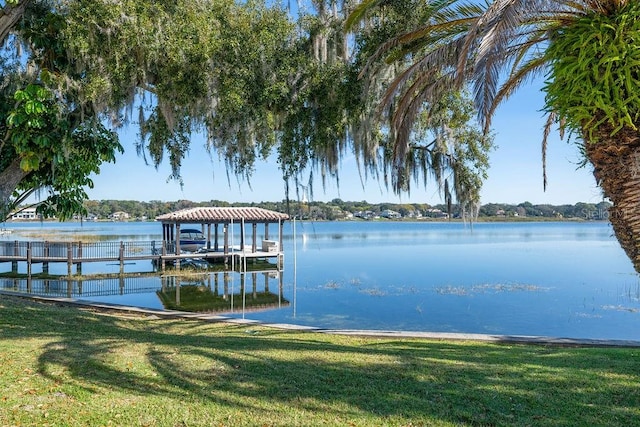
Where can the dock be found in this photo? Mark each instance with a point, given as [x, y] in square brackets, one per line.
[215, 223]
[78, 253]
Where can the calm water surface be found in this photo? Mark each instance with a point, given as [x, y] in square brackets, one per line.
[554, 279]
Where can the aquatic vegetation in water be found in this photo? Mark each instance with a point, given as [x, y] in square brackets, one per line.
[588, 315]
[621, 308]
[58, 236]
[488, 287]
[508, 288]
[332, 285]
[374, 292]
[452, 290]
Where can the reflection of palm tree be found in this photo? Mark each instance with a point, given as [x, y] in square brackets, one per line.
[589, 51]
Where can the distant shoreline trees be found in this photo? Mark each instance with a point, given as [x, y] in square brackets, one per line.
[337, 209]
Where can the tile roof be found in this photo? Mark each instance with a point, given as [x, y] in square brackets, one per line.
[212, 215]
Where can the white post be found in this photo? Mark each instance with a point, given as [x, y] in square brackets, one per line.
[295, 264]
[233, 257]
[243, 265]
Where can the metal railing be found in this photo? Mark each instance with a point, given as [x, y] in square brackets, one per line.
[78, 251]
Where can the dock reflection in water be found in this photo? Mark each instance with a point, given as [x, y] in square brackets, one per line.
[216, 293]
[79, 288]
[220, 292]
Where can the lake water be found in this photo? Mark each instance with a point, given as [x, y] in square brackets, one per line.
[554, 279]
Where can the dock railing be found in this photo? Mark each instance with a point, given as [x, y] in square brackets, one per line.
[81, 251]
[75, 253]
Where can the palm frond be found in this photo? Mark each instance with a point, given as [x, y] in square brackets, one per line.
[381, 51]
[359, 12]
[551, 119]
[436, 32]
[505, 24]
[518, 78]
[437, 61]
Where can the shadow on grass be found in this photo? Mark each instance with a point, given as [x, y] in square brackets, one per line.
[245, 366]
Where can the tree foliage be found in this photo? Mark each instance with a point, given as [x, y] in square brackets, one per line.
[188, 66]
[55, 156]
[594, 75]
[418, 137]
[245, 75]
[48, 145]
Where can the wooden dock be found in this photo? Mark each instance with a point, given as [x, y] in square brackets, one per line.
[160, 253]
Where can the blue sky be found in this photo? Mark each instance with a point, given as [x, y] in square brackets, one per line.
[515, 175]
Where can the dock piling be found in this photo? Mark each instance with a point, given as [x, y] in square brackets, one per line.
[29, 259]
[121, 256]
[69, 258]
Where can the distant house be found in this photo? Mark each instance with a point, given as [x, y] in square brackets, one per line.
[364, 214]
[119, 216]
[388, 213]
[414, 214]
[436, 213]
[337, 213]
[28, 213]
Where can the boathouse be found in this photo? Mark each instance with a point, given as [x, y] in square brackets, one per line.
[218, 224]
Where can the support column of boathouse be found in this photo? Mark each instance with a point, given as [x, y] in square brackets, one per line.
[254, 229]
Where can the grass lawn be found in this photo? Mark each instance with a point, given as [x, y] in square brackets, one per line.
[68, 366]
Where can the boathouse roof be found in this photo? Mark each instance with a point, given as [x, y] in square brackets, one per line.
[218, 215]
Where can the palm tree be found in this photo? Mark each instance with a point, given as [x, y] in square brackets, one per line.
[588, 51]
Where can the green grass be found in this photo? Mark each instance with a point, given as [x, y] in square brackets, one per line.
[68, 366]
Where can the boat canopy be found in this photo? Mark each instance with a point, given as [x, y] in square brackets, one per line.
[223, 215]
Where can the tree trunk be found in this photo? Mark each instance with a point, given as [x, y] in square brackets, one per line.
[616, 162]
[9, 17]
[9, 180]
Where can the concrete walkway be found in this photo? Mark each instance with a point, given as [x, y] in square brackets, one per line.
[208, 317]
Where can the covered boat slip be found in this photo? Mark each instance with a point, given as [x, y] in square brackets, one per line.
[219, 224]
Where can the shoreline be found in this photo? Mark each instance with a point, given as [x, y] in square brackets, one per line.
[408, 220]
[118, 309]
